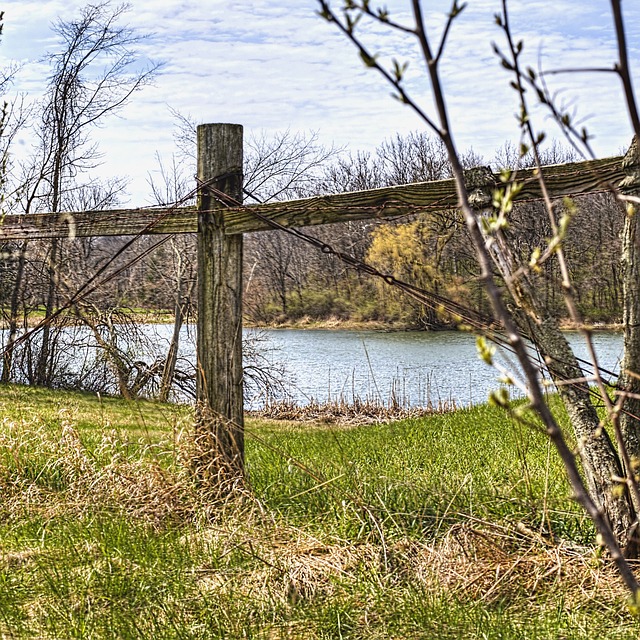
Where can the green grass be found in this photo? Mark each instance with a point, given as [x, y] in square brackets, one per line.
[90, 412]
[418, 529]
[419, 476]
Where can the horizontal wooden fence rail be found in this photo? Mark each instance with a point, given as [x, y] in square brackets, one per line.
[572, 179]
[390, 202]
[114, 222]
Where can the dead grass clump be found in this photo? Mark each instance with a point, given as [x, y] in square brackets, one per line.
[470, 564]
[281, 563]
[342, 412]
[497, 564]
[210, 463]
[57, 473]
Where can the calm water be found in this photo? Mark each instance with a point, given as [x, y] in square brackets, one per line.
[417, 366]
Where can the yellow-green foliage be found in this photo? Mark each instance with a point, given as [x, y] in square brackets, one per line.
[414, 253]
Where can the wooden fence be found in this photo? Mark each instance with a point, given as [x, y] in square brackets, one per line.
[220, 227]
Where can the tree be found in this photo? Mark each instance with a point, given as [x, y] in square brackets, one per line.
[278, 167]
[611, 497]
[12, 119]
[275, 167]
[78, 98]
[291, 280]
[177, 271]
[414, 252]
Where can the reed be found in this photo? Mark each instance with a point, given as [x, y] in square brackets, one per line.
[349, 412]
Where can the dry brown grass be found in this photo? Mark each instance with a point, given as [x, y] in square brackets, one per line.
[493, 564]
[471, 563]
[343, 413]
[480, 561]
[58, 474]
[288, 566]
[282, 568]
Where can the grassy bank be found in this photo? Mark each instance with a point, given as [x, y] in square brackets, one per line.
[452, 526]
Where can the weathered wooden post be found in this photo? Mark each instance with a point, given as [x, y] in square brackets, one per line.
[219, 422]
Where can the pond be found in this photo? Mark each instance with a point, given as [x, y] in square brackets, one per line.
[416, 367]
[413, 368]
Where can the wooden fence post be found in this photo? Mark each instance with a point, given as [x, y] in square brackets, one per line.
[219, 421]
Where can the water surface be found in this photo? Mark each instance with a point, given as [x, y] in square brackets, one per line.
[417, 366]
[413, 367]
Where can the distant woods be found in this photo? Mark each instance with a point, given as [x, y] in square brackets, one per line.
[288, 280]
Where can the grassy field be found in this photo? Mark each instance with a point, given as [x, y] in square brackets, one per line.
[453, 526]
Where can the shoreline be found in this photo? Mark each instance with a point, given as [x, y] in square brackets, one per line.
[327, 324]
[376, 325]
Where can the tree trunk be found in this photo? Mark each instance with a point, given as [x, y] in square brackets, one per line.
[44, 367]
[120, 367]
[172, 355]
[600, 460]
[7, 358]
[629, 379]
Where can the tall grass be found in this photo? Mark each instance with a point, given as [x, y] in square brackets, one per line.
[417, 476]
[453, 526]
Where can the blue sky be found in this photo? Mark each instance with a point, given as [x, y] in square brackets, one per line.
[275, 65]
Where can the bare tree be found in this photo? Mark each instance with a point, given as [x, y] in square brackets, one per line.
[281, 166]
[77, 99]
[177, 272]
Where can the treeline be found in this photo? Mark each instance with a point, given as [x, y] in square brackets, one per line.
[288, 280]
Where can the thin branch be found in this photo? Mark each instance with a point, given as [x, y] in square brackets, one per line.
[382, 17]
[553, 72]
[512, 333]
[451, 16]
[371, 61]
[623, 66]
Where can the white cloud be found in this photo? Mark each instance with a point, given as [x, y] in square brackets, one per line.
[276, 65]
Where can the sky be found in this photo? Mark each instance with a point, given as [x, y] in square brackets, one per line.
[276, 65]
